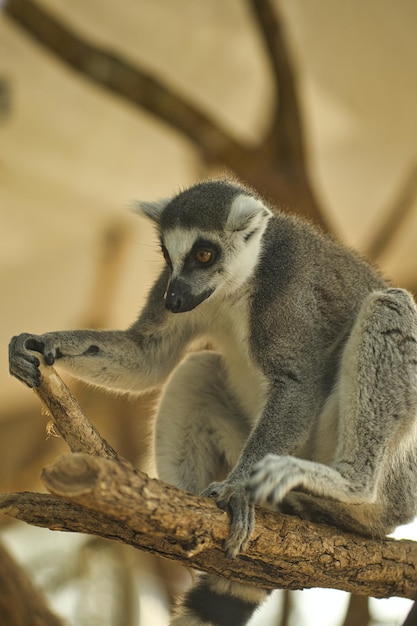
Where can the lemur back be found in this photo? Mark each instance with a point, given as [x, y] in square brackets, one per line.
[306, 402]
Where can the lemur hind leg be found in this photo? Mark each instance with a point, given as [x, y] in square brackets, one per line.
[199, 434]
[199, 430]
[375, 458]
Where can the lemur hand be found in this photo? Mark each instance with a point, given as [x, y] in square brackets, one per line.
[234, 497]
[23, 363]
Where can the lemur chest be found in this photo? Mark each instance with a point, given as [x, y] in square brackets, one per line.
[231, 337]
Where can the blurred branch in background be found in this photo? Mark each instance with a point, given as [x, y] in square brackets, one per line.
[412, 616]
[395, 216]
[276, 166]
[357, 613]
[20, 602]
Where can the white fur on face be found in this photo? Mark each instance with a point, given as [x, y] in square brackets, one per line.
[240, 243]
[179, 242]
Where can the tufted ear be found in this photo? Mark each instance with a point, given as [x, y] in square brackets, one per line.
[247, 213]
[152, 210]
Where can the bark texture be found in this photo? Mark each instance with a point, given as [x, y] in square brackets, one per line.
[95, 492]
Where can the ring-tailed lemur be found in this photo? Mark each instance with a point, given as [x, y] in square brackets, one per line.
[308, 399]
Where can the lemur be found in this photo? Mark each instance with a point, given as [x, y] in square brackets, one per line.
[308, 397]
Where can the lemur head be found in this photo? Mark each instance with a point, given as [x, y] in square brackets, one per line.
[210, 238]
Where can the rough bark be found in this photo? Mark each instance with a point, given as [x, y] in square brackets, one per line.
[98, 493]
[108, 498]
[68, 418]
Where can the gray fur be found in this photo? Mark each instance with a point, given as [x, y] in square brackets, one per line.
[308, 401]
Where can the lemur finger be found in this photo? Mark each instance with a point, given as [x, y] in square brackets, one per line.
[242, 523]
[49, 351]
[212, 491]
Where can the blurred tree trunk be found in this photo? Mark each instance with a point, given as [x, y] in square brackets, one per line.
[411, 619]
[21, 604]
[357, 613]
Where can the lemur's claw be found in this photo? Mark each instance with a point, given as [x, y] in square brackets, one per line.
[234, 498]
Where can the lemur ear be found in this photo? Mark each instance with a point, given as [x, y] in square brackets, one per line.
[152, 210]
[246, 212]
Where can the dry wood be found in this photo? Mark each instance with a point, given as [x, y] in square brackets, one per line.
[107, 498]
[103, 495]
[69, 420]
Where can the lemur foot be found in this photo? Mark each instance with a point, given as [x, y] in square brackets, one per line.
[234, 497]
[274, 477]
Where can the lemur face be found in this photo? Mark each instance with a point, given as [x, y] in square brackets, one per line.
[210, 238]
[196, 264]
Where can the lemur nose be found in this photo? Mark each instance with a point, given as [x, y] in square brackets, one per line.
[173, 302]
[175, 295]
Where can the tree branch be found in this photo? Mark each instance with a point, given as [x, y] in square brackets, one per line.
[281, 179]
[285, 140]
[107, 498]
[118, 75]
[97, 493]
[68, 418]
[286, 135]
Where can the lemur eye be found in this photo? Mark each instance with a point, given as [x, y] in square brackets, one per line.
[166, 255]
[203, 256]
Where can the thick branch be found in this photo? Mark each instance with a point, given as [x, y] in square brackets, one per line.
[103, 495]
[107, 498]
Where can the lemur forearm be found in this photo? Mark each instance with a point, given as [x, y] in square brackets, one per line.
[120, 360]
[277, 436]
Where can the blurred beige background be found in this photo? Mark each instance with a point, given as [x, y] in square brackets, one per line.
[72, 156]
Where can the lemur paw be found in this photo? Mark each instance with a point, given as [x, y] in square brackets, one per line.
[234, 497]
[23, 364]
[272, 478]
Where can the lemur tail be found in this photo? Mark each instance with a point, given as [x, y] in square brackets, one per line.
[215, 601]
